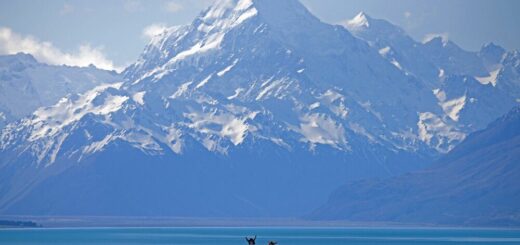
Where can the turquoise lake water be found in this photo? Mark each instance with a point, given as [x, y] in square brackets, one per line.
[231, 236]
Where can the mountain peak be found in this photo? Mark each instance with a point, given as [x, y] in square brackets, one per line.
[362, 20]
[225, 14]
[222, 7]
[437, 41]
[24, 58]
[208, 32]
[492, 48]
[367, 27]
[492, 55]
[491, 45]
[273, 11]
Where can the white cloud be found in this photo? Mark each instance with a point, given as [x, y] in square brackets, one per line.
[174, 6]
[153, 30]
[46, 52]
[430, 36]
[407, 14]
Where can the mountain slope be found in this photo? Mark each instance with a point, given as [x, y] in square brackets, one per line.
[475, 184]
[26, 85]
[235, 96]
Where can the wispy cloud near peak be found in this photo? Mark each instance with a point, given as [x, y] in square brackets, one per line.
[153, 30]
[12, 43]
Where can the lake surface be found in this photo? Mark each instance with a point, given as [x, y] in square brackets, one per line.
[231, 236]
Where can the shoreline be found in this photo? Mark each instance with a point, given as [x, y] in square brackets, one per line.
[88, 222]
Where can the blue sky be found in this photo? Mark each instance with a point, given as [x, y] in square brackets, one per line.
[111, 32]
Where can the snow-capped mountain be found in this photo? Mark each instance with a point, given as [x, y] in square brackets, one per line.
[211, 61]
[257, 108]
[464, 83]
[26, 85]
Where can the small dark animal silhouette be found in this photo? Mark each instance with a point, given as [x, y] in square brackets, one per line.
[272, 243]
[251, 241]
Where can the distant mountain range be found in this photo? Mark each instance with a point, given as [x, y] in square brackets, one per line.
[475, 184]
[26, 84]
[255, 109]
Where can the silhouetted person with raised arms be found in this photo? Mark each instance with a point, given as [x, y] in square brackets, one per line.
[251, 241]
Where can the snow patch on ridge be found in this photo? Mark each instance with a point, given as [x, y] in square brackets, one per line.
[274, 88]
[174, 139]
[320, 129]
[442, 73]
[238, 91]
[183, 88]
[335, 102]
[396, 64]
[491, 79]
[206, 45]
[223, 124]
[437, 133]
[384, 51]
[227, 69]
[204, 82]
[451, 108]
[49, 121]
[140, 140]
[139, 97]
